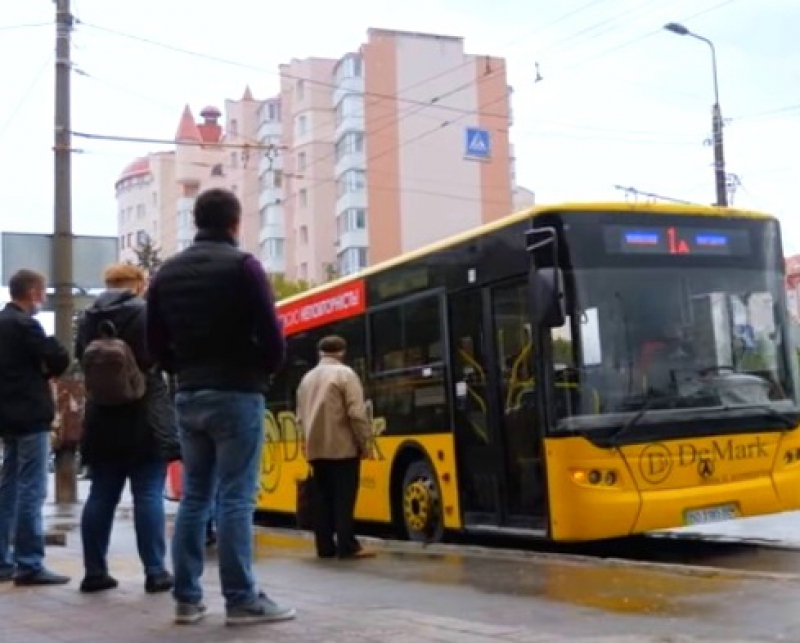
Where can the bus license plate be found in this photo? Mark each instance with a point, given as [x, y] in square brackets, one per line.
[711, 514]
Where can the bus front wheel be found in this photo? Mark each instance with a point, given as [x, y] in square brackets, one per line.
[420, 504]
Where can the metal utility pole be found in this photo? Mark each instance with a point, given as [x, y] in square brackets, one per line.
[66, 474]
[720, 178]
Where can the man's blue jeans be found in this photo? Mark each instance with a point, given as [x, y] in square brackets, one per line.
[222, 434]
[147, 487]
[23, 490]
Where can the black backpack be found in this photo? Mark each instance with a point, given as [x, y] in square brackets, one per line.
[111, 375]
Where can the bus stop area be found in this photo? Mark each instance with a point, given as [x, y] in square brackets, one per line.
[409, 594]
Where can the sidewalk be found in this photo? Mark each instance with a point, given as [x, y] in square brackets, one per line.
[407, 597]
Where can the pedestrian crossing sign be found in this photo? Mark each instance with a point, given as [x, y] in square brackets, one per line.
[478, 144]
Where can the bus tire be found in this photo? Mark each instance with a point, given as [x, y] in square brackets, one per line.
[419, 504]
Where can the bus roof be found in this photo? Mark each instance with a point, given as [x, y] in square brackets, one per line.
[499, 224]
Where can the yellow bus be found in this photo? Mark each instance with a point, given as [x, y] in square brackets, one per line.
[572, 372]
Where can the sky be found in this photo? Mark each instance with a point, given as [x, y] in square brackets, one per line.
[620, 102]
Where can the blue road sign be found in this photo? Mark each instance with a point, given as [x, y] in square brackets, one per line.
[478, 144]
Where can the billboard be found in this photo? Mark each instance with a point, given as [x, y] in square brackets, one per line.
[90, 257]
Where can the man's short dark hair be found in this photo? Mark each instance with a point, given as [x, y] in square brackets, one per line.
[332, 345]
[217, 210]
[22, 282]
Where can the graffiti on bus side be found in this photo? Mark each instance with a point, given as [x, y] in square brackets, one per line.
[284, 444]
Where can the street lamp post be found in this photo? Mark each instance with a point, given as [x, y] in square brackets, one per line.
[719, 150]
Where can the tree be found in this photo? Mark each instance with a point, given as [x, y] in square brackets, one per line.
[148, 256]
[285, 288]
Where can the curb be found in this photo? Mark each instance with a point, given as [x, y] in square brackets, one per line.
[477, 551]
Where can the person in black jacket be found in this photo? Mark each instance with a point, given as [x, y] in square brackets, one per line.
[132, 441]
[28, 361]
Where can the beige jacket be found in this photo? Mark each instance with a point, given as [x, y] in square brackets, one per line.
[331, 412]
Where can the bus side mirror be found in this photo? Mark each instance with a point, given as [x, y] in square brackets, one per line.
[547, 297]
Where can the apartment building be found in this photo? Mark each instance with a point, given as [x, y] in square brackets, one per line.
[156, 194]
[382, 151]
[146, 193]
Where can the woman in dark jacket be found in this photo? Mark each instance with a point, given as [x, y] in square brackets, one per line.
[133, 441]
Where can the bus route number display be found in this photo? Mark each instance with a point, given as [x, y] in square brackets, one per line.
[676, 240]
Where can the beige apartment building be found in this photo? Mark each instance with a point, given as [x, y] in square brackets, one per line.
[156, 193]
[383, 151]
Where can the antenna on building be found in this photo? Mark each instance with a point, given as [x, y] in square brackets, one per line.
[539, 77]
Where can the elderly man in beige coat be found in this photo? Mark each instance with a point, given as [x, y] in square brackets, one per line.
[332, 415]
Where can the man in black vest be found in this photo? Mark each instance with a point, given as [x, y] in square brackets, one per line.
[212, 321]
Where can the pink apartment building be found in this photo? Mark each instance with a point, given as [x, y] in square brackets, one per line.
[155, 194]
[384, 150]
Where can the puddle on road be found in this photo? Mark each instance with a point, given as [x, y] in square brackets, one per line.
[611, 588]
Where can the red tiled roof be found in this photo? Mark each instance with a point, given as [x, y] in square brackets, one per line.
[135, 168]
[187, 128]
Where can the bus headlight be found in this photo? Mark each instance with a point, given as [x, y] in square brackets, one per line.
[595, 477]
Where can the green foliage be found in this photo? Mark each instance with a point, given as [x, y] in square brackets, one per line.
[148, 256]
[284, 288]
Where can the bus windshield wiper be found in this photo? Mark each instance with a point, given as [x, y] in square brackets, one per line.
[787, 420]
[616, 437]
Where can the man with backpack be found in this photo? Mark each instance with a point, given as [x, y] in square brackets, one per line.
[211, 318]
[130, 430]
[28, 361]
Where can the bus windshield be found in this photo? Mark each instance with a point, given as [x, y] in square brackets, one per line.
[685, 341]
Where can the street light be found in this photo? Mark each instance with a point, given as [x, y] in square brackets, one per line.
[719, 151]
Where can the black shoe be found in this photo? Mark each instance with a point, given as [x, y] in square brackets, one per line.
[211, 538]
[100, 583]
[159, 583]
[42, 577]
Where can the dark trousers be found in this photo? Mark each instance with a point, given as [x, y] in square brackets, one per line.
[147, 487]
[335, 493]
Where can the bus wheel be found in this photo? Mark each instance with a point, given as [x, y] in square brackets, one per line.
[421, 504]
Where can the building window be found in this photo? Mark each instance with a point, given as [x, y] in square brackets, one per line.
[142, 238]
[274, 249]
[141, 211]
[155, 198]
[351, 106]
[277, 179]
[301, 162]
[217, 170]
[274, 112]
[304, 234]
[304, 271]
[234, 128]
[349, 143]
[301, 125]
[351, 67]
[300, 89]
[352, 260]
[303, 198]
[351, 181]
[234, 160]
[352, 219]
[122, 242]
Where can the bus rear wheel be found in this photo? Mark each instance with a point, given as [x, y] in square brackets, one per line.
[421, 504]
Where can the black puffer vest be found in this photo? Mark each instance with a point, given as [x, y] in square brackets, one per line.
[207, 306]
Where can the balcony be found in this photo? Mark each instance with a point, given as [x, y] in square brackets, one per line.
[349, 85]
[352, 239]
[351, 200]
[351, 161]
[271, 231]
[270, 197]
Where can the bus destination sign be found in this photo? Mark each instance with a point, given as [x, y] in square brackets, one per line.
[677, 240]
[330, 306]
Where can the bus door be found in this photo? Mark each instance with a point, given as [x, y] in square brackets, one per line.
[512, 354]
[478, 443]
